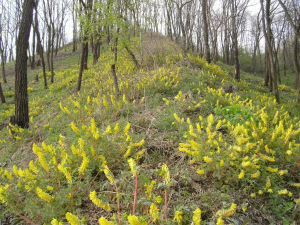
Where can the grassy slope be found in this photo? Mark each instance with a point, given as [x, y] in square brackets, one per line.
[152, 119]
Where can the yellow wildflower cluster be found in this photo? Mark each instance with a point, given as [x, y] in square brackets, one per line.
[261, 147]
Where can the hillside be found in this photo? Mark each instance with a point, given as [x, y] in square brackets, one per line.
[183, 136]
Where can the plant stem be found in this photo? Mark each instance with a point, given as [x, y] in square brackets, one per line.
[118, 202]
[166, 204]
[135, 195]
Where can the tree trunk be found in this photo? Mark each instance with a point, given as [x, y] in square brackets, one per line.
[296, 64]
[235, 41]
[205, 30]
[51, 62]
[3, 70]
[284, 57]
[21, 97]
[269, 39]
[296, 60]
[96, 44]
[85, 45]
[137, 65]
[1, 94]
[33, 51]
[113, 66]
[74, 17]
[83, 62]
[40, 48]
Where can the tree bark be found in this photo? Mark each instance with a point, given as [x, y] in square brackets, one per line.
[237, 75]
[269, 38]
[83, 62]
[85, 43]
[33, 51]
[21, 96]
[3, 70]
[1, 94]
[40, 48]
[113, 66]
[137, 65]
[205, 30]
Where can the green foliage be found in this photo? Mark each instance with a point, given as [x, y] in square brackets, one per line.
[235, 114]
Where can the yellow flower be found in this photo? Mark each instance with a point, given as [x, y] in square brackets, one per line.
[103, 221]
[64, 170]
[242, 174]
[268, 182]
[74, 128]
[246, 164]
[108, 173]
[166, 101]
[2, 191]
[221, 163]
[142, 100]
[200, 172]
[124, 99]
[98, 202]
[289, 152]
[227, 212]
[133, 220]
[207, 159]
[158, 199]
[177, 118]
[252, 195]
[283, 192]
[256, 174]
[126, 129]
[178, 217]
[297, 200]
[267, 158]
[260, 192]
[296, 184]
[149, 188]
[43, 161]
[132, 165]
[270, 190]
[165, 174]
[84, 164]
[72, 219]
[139, 144]
[116, 128]
[108, 130]
[272, 170]
[154, 212]
[55, 222]
[283, 172]
[197, 216]
[140, 153]
[43, 195]
[49, 188]
[210, 119]
[220, 221]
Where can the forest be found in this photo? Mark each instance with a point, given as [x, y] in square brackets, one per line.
[149, 112]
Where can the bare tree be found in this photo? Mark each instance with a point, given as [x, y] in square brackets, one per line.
[205, 30]
[1, 94]
[293, 16]
[266, 21]
[21, 117]
[85, 42]
[40, 48]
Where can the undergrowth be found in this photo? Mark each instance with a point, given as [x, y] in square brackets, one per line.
[145, 157]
